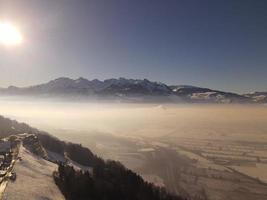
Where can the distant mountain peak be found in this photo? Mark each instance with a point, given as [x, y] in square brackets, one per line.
[61, 79]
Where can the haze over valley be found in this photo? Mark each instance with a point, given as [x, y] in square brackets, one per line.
[223, 140]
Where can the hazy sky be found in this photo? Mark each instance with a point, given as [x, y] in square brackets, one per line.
[218, 43]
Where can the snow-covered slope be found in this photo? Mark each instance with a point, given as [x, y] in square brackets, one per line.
[206, 95]
[34, 179]
[260, 97]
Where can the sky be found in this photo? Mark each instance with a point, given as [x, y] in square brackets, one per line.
[220, 44]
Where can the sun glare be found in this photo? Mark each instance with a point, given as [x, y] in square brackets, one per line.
[9, 34]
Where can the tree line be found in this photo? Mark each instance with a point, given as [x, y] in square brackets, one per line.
[110, 180]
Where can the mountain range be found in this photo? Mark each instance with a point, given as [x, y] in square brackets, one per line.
[132, 90]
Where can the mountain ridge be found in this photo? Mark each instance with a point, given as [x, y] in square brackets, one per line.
[125, 89]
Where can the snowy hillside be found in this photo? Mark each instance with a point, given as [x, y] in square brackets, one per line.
[39, 166]
[34, 179]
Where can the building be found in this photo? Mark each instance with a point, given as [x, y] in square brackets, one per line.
[5, 147]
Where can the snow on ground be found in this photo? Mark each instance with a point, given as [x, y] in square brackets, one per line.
[78, 166]
[146, 150]
[156, 180]
[34, 179]
[201, 161]
[258, 171]
[55, 156]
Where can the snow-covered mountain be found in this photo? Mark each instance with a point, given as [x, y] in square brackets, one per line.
[197, 94]
[133, 90]
[260, 97]
[82, 86]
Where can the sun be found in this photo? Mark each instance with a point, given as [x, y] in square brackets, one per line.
[9, 34]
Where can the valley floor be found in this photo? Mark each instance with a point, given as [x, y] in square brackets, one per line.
[197, 168]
